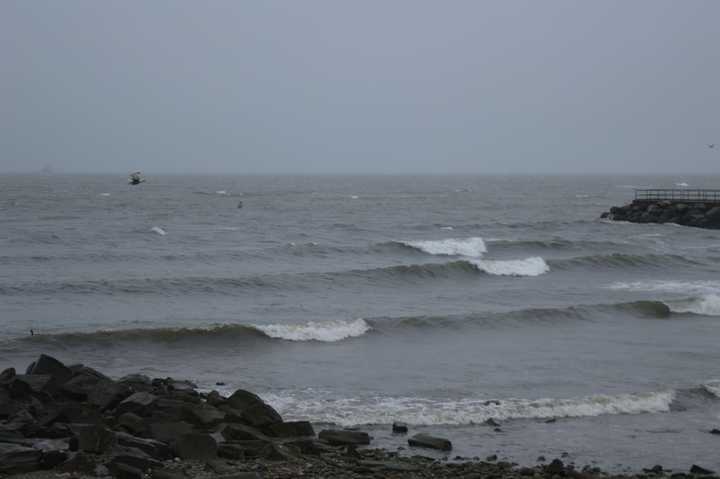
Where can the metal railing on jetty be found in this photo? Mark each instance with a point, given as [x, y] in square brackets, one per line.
[678, 195]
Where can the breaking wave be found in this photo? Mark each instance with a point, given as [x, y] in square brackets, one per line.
[534, 266]
[470, 247]
[705, 300]
[158, 230]
[327, 331]
[432, 412]
[338, 330]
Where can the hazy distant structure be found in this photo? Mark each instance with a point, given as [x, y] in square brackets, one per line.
[136, 178]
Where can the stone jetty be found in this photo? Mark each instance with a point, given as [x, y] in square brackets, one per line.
[697, 208]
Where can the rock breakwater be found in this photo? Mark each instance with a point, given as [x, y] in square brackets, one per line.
[699, 215]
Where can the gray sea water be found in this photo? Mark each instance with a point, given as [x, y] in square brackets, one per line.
[356, 301]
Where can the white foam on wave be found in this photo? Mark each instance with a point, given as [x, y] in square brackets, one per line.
[713, 387]
[158, 230]
[682, 184]
[221, 192]
[470, 247]
[354, 197]
[534, 266]
[706, 300]
[708, 305]
[316, 407]
[104, 194]
[449, 228]
[325, 331]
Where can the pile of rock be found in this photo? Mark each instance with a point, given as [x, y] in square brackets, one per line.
[76, 419]
[700, 215]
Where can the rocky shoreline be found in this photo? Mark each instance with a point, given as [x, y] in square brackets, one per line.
[59, 421]
[699, 215]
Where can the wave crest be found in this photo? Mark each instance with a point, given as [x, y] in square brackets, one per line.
[471, 247]
[327, 331]
[534, 266]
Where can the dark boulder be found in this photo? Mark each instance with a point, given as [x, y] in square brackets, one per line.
[47, 365]
[695, 469]
[124, 471]
[430, 442]
[153, 448]
[93, 438]
[215, 399]
[169, 431]
[16, 459]
[241, 432]
[83, 383]
[132, 423]
[336, 437]
[196, 446]
[241, 450]
[108, 394]
[25, 384]
[7, 405]
[7, 375]
[555, 467]
[52, 458]
[399, 428]
[132, 457]
[138, 403]
[204, 415]
[253, 409]
[291, 429]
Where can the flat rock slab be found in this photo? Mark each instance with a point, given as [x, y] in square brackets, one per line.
[339, 437]
[430, 442]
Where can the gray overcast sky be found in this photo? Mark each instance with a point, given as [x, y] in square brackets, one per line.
[372, 86]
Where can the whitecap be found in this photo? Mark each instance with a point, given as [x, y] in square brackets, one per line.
[221, 192]
[325, 331]
[708, 305]
[470, 247]
[682, 184]
[713, 387]
[104, 194]
[354, 197]
[158, 230]
[316, 407]
[534, 266]
[449, 228]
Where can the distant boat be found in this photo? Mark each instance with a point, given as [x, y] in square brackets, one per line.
[136, 178]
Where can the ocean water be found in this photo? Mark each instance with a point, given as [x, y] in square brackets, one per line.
[357, 301]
